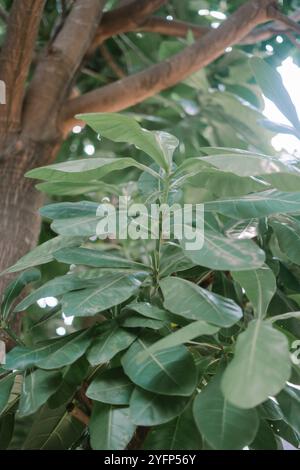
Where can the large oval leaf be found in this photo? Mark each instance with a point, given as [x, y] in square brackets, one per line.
[112, 387]
[168, 372]
[260, 368]
[149, 409]
[191, 301]
[110, 427]
[113, 289]
[222, 424]
[108, 344]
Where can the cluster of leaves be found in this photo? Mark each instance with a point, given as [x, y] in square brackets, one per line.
[193, 345]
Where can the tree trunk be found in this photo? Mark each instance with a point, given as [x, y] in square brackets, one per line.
[20, 201]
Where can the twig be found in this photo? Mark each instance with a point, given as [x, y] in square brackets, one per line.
[78, 414]
[111, 61]
[293, 39]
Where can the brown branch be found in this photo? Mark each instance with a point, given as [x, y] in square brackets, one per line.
[78, 414]
[136, 88]
[176, 28]
[125, 18]
[55, 71]
[289, 22]
[16, 56]
[111, 61]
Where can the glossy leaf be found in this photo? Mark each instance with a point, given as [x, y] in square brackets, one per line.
[195, 303]
[222, 424]
[260, 287]
[161, 372]
[37, 387]
[50, 354]
[149, 409]
[121, 128]
[180, 433]
[184, 334]
[260, 368]
[113, 289]
[111, 387]
[110, 427]
[44, 253]
[108, 344]
[6, 384]
[15, 288]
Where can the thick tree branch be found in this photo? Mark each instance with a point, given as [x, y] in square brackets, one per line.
[16, 56]
[176, 28]
[56, 69]
[125, 18]
[290, 23]
[136, 88]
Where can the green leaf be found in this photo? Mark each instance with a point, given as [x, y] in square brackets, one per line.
[52, 430]
[224, 426]
[120, 128]
[77, 188]
[111, 386]
[223, 253]
[6, 384]
[139, 321]
[15, 288]
[54, 288]
[287, 231]
[180, 433]
[260, 204]
[184, 334]
[192, 302]
[168, 372]
[65, 210]
[113, 289]
[110, 427]
[265, 438]
[260, 287]
[96, 258]
[73, 377]
[50, 354]
[249, 164]
[272, 86]
[289, 402]
[43, 253]
[83, 171]
[149, 409]
[37, 387]
[108, 344]
[260, 367]
[149, 311]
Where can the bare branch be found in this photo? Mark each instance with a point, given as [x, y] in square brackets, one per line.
[16, 57]
[136, 88]
[126, 18]
[55, 71]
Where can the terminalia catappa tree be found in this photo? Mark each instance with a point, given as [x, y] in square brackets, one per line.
[162, 347]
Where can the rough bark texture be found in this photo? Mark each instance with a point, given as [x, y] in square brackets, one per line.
[20, 201]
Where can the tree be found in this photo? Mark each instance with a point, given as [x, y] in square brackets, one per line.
[32, 121]
[208, 109]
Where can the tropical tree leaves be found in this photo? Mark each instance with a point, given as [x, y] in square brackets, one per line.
[121, 128]
[223, 425]
[192, 302]
[110, 427]
[260, 368]
[160, 372]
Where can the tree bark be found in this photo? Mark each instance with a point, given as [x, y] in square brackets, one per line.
[20, 201]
